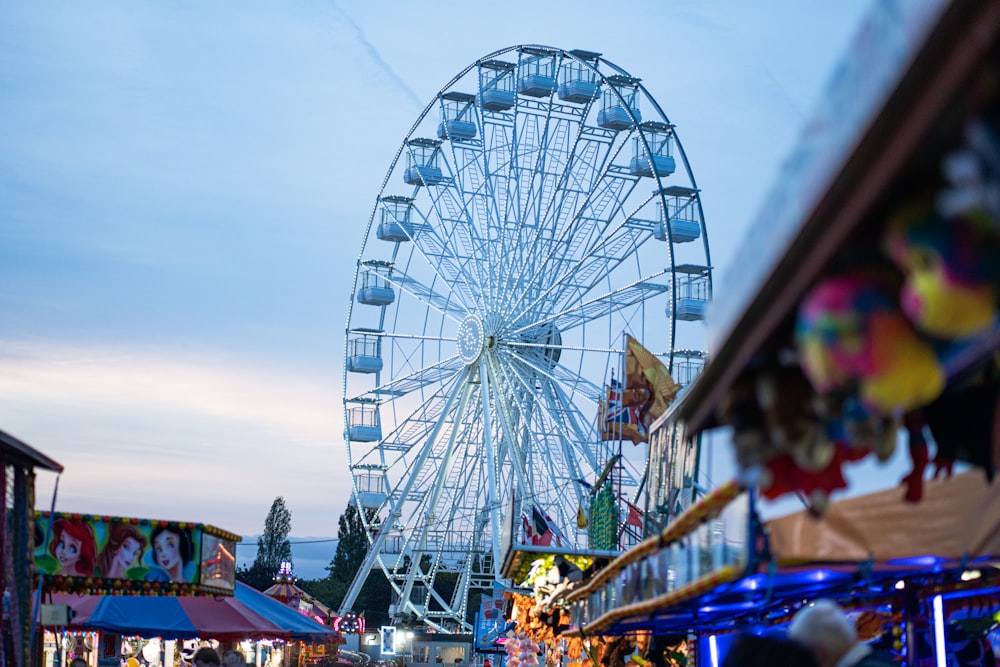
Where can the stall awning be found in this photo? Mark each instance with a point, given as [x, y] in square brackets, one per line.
[958, 519]
[249, 613]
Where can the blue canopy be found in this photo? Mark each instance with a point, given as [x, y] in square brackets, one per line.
[249, 613]
[299, 626]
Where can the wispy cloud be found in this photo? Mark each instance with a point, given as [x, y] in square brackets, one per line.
[377, 58]
[176, 435]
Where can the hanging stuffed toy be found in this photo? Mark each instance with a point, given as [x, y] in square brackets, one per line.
[782, 475]
[914, 481]
[787, 402]
[853, 340]
[951, 267]
[739, 408]
[965, 423]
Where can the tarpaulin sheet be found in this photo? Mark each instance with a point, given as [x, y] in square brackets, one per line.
[958, 518]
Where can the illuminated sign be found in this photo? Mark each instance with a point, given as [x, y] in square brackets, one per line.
[388, 640]
[85, 553]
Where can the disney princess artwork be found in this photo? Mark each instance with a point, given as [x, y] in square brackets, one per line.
[73, 547]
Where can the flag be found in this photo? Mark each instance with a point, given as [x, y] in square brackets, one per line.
[541, 530]
[581, 518]
[618, 421]
[646, 374]
[634, 516]
[539, 522]
[543, 539]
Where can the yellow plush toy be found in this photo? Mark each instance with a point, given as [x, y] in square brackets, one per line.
[952, 270]
[853, 339]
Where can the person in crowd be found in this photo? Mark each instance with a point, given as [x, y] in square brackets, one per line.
[78, 662]
[73, 547]
[123, 549]
[206, 656]
[173, 550]
[825, 628]
[234, 659]
[750, 650]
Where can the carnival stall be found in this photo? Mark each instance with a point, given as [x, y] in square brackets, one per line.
[17, 490]
[862, 312]
[287, 592]
[886, 562]
[248, 614]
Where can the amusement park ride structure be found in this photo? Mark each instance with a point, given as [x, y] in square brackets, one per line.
[540, 208]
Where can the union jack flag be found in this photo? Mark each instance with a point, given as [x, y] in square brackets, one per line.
[621, 422]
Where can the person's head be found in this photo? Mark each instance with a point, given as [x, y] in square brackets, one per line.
[824, 627]
[172, 547]
[123, 549]
[750, 650]
[206, 656]
[234, 659]
[73, 546]
[78, 662]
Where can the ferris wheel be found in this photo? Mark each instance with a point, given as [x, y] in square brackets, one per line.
[540, 208]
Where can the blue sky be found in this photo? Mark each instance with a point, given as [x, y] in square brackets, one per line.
[184, 189]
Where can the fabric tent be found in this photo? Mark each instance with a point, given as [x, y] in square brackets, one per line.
[293, 597]
[298, 626]
[247, 614]
[181, 617]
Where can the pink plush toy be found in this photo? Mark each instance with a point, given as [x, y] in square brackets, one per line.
[853, 339]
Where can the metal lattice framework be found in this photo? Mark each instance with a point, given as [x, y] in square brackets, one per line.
[540, 207]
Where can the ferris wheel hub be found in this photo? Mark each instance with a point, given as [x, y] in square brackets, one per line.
[471, 338]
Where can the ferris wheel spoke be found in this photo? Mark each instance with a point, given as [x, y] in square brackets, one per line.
[463, 241]
[394, 449]
[605, 305]
[437, 486]
[508, 426]
[519, 374]
[437, 254]
[474, 186]
[455, 310]
[556, 373]
[579, 276]
[417, 379]
[591, 221]
[546, 236]
[580, 433]
[544, 439]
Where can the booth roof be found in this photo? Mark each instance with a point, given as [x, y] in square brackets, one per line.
[957, 519]
[248, 613]
[861, 547]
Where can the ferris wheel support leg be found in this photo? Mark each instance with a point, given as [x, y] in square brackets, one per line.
[396, 512]
[490, 468]
[516, 457]
[431, 506]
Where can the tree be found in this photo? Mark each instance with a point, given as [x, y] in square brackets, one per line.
[273, 548]
[352, 547]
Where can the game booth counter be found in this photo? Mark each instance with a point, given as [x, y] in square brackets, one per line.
[861, 316]
[907, 570]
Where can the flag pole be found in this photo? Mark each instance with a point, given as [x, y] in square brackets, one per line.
[624, 377]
